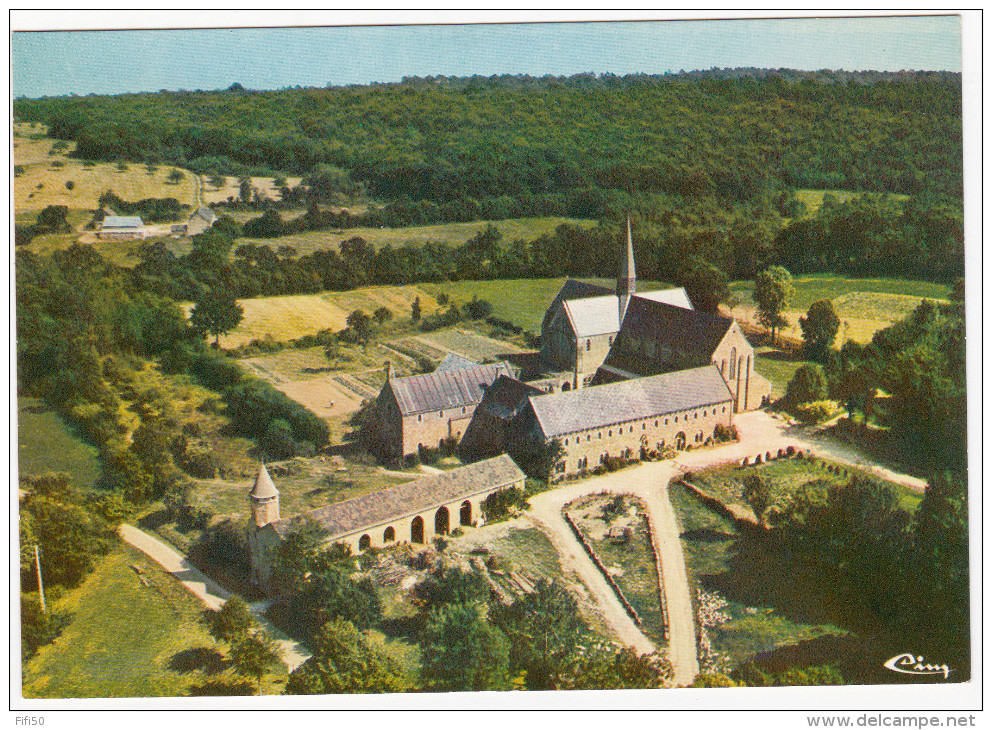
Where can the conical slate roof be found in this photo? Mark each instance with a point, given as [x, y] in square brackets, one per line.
[263, 487]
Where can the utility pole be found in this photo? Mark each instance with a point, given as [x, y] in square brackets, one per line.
[41, 587]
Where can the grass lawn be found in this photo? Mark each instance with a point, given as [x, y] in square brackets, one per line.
[47, 443]
[764, 602]
[452, 234]
[785, 476]
[776, 367]
[129, 640]
[632, 563]
[521, 301]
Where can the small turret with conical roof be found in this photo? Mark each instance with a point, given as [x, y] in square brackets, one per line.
[264, 498]
[627, 280]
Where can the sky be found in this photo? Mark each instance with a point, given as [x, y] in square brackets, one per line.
[118, 61]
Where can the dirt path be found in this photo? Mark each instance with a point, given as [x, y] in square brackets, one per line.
[546, 510]
[207, 590]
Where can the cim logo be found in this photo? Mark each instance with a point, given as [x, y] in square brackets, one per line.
[911, 664]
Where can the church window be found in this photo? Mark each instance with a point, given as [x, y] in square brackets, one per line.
[644, 427]
[733, 362]
[611, 432]
[666, 421]
[420, 417]
[566, 442]
[440, 414]
[697, 415]
[725, 409]
[599, 435]
[463, 410]
[588, 345]
[656, 424]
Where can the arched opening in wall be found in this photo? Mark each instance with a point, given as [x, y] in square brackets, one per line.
[417, 530]
[441, 523]
[364, 542]
[389, 535]
[680, 440]
[566, 386]
[465, 513]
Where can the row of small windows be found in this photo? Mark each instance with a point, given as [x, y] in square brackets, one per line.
[420, 416]
[630, 429]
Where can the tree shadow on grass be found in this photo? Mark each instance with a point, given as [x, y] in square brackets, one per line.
[761, 574]
[200, 658]
[706, 534]
[402, 626]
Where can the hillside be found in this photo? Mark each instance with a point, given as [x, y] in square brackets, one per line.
[490, 138]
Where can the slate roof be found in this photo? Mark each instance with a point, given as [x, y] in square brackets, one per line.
[676, 297]
[121, 221]
[573, 289]
[455, 362]
[205, 213]
[504, 396]
[446, 388]
[342, 518]
[685, 330]
[594, 315]
[263, 486]
[603, 405]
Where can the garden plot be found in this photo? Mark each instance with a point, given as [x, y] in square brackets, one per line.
[469, 344]
[616, 528]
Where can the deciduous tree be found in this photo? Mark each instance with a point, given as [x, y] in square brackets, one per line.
[772, 289]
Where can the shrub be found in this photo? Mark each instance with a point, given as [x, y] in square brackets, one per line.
[69, 184]
[498, 505]
[813, 412]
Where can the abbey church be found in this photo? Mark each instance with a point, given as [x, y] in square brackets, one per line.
[620, 374]
[621, 371]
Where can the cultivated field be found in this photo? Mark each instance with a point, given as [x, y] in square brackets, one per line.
[452, 234]
[863, 305]
[292, 316]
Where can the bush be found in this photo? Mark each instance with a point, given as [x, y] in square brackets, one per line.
[497, 506]
[813, 412]
[69, 184]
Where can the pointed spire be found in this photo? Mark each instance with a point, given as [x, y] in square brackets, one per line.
[627, 280]
[263, 487]
[390, 374]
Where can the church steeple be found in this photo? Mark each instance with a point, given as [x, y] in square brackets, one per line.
[627, 280]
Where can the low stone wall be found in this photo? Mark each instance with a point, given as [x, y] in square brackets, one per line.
[602, 569]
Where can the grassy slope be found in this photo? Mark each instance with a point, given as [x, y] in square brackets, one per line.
[46, 443]
[813, 199]
[124, 637]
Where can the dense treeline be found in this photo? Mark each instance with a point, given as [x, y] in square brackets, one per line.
[487, 139]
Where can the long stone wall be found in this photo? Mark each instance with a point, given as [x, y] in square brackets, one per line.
[602, 569]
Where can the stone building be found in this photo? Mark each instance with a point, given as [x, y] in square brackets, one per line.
[489, 428]
[121, 228]
[629, 417]
[426, 410]
[583, 320]
[201, 220]
[657, 337]
[414, 512]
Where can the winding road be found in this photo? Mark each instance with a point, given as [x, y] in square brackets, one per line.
[759, 432]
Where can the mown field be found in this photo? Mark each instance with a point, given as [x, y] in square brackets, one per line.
[813, 199]
[46, 443]
[768, 604]
[288, 317]
[43, 183]
[452, 234]
[129, 640]
[863, 305]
